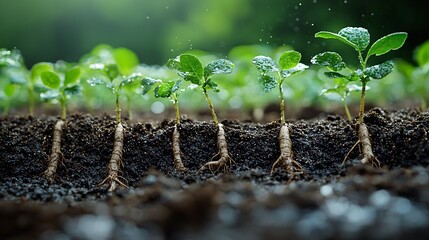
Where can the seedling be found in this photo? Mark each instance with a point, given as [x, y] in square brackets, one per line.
[190, 69]
[13, 73]
[60, 82]
[418, 76]
[171, 90]
[114, 77]
[343, 89]
[272, 75]
[359, 39]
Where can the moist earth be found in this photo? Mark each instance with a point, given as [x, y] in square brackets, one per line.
[330, 200]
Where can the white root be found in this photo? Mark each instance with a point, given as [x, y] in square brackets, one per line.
[56, 154]
[224, 159]
[114, 179]
[176, 150]
[286, 153]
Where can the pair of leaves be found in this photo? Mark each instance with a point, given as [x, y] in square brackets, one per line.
[53, 81]
[359, 39]
[289, 64]
[191, 69]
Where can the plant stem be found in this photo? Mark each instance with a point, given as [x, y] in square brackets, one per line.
[282, 102]
[118, 110]
[423, 104]
[346, 108]
[211, 107]
[176, 109]
[6, 107]
[63, 109]
[362, 102]
[130, 114]
[31, 100]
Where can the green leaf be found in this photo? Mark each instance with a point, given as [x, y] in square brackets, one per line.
[38, 68]
[49, 95]
[331, 35]
[165, 89]
[126, 60]
[96, 81]
[111, 70]
[332, 60]
[72, 90]
[174, 64]
[358, 36]
[289, 59]
[268, 82]
[72, 76]
[129, 80]
[51, 80]
[387, 43]
[297, 69]
[220, 66]
[38, 88]
[190, 65]
[379, 71]
[11, 58]
[147, 84]
[422, 54]
[334, 75]
[15, 75]
[265, 64]
[9, 90]
[211, 85]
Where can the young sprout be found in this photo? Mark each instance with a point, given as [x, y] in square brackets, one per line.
[171, 90]
[359, 39]
[343, 89]
[115, 73]
[13, 74]
[190, 69]
[61, 81]
[418, 76]
[273, 75]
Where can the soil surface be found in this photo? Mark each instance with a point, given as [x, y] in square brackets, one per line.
[328, 201]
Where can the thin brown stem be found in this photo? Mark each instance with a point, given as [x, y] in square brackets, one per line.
[286, 154]
[114, 179]
[224, 159]
[56, 154]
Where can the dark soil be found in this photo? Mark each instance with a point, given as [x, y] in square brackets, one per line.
[329, 201]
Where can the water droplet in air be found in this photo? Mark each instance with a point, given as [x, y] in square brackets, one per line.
[147, 17]
[345, 1]
[297, 19]
[260, 39]
[314, 1]
[329, 9]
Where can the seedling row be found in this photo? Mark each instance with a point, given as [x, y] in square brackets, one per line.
[115, 69]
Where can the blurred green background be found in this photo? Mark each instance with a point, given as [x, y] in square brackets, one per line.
[48, 30]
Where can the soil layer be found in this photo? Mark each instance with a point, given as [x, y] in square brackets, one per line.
[328, 201]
